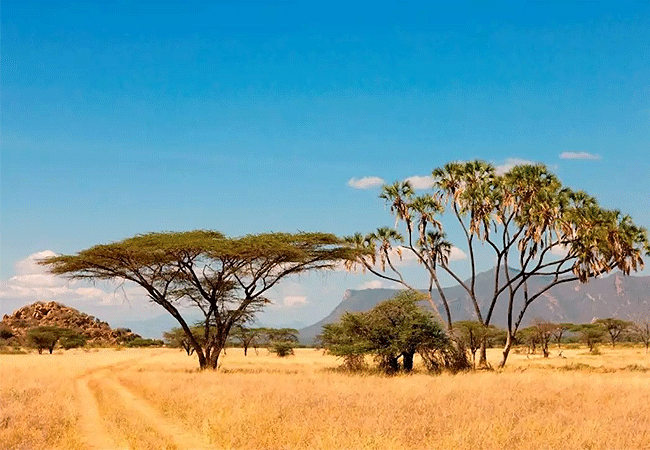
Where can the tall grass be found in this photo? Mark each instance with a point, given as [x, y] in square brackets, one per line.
[262, 401]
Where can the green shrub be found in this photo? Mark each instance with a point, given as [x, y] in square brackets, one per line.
[142, 342]
[72, 340]
[282, 348]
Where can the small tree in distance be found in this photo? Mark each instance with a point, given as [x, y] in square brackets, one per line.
[44, 337]
[614, 327]
[560, 330]
[641, 327]
[589, 333]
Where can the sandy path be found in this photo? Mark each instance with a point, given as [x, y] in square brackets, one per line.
[91, 426]
[183, 439]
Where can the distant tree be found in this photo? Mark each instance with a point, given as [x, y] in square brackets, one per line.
[281, 335]
[224, 278]
[44, 337]
[537, 229]
[145, 342]
[560, 330]
[177, 338]
[590, 334]
[396, 328]
[281, 341]
[72, 339]
[473, 334]
[614, 327]
[282, 348]
[528, 336]
[641, 328]
[544, 330]
[245, 336]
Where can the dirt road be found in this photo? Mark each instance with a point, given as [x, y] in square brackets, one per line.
[97, 412]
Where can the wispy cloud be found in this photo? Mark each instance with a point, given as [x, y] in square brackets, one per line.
[33, 282]
[510, 163]
[578, 155]
[365, 182]
[420, 182]
[294, 300]
[372, 284]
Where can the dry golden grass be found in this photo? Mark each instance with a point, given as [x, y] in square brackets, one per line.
[150, 399]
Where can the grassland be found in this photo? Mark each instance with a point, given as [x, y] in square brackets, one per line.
[155, 398]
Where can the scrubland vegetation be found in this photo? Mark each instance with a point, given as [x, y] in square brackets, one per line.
[156, 398]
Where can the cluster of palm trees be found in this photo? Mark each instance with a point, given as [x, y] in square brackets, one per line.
[535, 227]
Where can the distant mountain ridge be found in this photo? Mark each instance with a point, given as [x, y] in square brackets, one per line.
[615, 295]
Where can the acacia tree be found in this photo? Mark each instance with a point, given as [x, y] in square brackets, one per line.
[246, 336]
[225, 278]
[44, 337]
[589, 333]
[641, 328]
[540, 233]
[559, 331]
[473, 334]
[614, 327]
[544, 330]
[394, 329]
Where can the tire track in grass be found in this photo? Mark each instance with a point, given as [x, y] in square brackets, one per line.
[91, 425]
[183, 439]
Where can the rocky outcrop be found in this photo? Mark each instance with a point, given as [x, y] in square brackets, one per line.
[57, 315]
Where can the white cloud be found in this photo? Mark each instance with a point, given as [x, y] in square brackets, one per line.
[578, 155]
[372, 284]
[420, 182]
[33, 282]
[561, 250]
[510, 163]
[457, 254]
[294, 300]
[365, 182]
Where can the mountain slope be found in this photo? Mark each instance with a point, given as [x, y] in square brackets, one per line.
[612, 296]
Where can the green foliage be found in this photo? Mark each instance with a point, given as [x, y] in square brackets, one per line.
[44, 337]
[614, 327]
[5, 333]
[590, 334]
[143, 342]
[224, 278]
[396, 328]
[282, 348]
[471, 334]
[523, 215]
[72, 340]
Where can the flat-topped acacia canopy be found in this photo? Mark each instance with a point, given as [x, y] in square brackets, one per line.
[224, 277]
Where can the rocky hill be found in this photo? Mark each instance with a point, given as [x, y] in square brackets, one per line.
[611, 296]
[55, 314]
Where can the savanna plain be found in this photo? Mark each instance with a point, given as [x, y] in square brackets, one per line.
[157, 399]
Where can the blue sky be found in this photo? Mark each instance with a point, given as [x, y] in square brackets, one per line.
[126, 117]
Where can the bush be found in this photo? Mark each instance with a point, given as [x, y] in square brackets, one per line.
[6, 333]
[282, 348]
[142, 342]
[72, 340]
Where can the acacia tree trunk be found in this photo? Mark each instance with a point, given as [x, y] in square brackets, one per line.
[482, 358]
[506, 350]
[408, 361]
